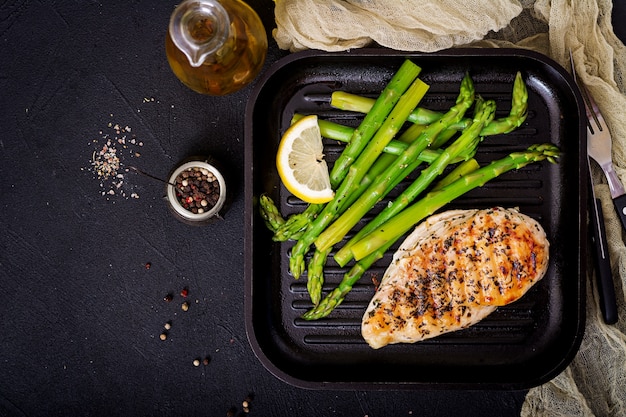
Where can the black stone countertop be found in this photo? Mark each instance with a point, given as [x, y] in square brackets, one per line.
[84, 273]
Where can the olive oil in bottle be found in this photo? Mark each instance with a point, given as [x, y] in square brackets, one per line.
[215, 47]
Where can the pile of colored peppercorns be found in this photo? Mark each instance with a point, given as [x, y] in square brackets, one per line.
[197, 189]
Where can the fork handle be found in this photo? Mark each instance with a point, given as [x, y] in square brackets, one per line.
[604, 275]
[620, 206]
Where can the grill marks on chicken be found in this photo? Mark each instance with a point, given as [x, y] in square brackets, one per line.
[455, 268]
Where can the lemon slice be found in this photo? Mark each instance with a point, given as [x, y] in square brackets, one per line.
[300, 162]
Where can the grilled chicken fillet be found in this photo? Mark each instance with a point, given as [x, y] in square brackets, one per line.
[455, 268]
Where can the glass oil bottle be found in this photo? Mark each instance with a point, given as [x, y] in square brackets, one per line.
[215, 47]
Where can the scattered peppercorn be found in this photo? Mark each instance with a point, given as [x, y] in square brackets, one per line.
[168, 298]
[185, 306]
[163, 336]
[206, 361]
[196, 362]
[148, 265]
[246, 404]
[184, 292]
[167, 325]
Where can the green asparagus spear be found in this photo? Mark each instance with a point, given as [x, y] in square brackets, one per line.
[402, 222]
[315, 275]
[357, 171]
[270, 213]
[374, 119]
[335, 232]
[330, 130]
[341, 133]
[517, 115]
[351, 102]
[336, 297]
[297, 223]
[476, 178]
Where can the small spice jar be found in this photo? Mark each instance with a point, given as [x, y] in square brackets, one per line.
[196, 192]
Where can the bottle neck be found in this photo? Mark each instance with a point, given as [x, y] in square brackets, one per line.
[199, 28]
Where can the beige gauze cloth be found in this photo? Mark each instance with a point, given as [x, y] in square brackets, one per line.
[594, 384]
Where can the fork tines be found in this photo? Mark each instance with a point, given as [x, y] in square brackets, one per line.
[592, 110]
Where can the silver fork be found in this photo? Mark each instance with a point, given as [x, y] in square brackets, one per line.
[599, 149]
[604, 274]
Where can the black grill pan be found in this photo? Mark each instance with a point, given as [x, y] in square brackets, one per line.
[518, 346]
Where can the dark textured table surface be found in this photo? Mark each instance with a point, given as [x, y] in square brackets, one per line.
[85, 263]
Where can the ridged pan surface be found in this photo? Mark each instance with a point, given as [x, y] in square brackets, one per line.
[520, 345]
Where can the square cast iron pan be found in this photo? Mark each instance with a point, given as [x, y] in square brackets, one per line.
[518, 346]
